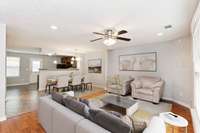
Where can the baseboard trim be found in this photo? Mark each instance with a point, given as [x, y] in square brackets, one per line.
[10, 85]
[176, 101]
[99, 86]
[3, 118]
[195, 120]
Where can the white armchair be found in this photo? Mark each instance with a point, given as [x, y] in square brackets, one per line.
[119, 85]
[147, 88]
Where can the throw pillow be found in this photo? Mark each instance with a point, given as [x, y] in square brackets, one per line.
[57, 97]
[85, 101]
[126, 119]
[76, 106]
[109, 121]
[137, 127]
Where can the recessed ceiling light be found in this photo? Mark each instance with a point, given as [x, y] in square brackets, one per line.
[160, 34]
[53, 27]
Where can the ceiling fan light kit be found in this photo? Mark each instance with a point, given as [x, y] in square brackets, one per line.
[109, 41]
[110, 36]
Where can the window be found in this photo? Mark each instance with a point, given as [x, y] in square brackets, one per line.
[13, 66]
[35, 66]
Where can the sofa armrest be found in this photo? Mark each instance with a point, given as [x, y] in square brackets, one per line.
[157, 94]
[109, 81]
[158, 84]
[136, 84]
[133, 88]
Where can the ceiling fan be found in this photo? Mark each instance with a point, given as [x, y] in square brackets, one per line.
[110, 36]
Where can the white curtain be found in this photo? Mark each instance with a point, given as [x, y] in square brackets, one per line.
[196, 61]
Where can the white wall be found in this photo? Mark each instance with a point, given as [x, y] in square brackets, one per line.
[98, 79]
[2, 71]
[174, 65]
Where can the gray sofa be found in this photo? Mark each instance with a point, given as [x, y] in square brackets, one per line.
[56, 118]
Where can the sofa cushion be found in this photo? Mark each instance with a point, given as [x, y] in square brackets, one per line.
[146, 91]
[87, 126]
[109, 121]
[148, 82]
[114, 87]
[64, 120]
[57, 97]
[76, 106]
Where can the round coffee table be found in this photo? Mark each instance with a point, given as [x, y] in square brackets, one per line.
[174, 120]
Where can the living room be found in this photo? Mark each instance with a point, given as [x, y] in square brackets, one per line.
[128, 67]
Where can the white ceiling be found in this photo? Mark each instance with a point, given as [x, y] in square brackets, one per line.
[28, 21]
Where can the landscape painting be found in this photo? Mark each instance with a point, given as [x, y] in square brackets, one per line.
[139, 62]
[94, 66]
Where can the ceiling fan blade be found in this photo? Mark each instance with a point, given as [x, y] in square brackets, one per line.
[96, 39]
[98, 33]
[124, 39]
[122, 32]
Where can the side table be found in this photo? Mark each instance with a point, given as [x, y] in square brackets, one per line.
[174, 121]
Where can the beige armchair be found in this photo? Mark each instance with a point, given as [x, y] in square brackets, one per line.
[147, 88]
[119, 85]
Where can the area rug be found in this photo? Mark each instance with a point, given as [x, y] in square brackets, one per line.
[145, 112]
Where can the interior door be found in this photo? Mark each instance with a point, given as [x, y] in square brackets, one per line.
[35, 65]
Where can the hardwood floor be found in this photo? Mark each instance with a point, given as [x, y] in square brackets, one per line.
[184, 112]
[25, 123]
[28, 122]
[24, 98]
[21, 99]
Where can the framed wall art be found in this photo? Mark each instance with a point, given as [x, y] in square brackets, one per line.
[146, 62]
[94, 66]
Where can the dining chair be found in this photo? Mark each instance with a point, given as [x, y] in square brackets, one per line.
[86, 83]
[51, 81]
[76, 83]
[62, 83]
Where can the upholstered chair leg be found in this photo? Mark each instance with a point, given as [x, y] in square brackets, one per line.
[155, 103]
[46, 89]
[49, 89]
[53, 89]
[91, 86]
